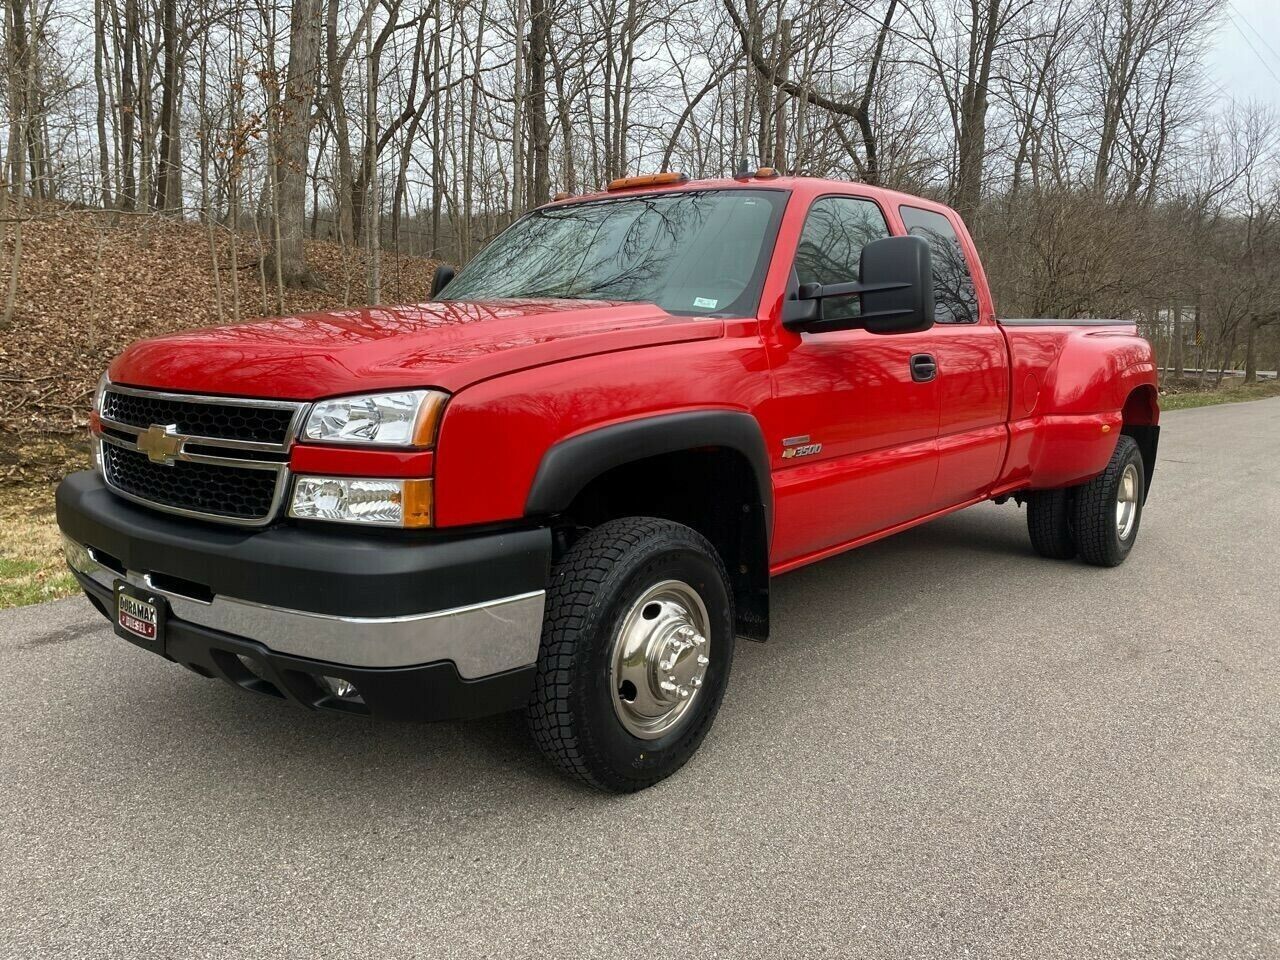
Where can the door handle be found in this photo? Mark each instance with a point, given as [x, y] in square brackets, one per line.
[923, 367]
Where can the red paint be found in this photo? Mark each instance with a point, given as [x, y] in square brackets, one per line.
[335, 461]
[1011, 408]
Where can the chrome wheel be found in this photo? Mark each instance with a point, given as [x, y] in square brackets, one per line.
[1127, 502]
[659, 659]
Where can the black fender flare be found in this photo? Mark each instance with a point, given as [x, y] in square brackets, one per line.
[568, 466]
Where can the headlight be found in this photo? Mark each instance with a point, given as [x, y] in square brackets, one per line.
[407, 418]
[380, 503]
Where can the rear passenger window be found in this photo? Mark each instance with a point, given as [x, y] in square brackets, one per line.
[835, 231]
[953, 295]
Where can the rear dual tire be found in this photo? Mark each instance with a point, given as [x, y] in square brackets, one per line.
[1098, 520]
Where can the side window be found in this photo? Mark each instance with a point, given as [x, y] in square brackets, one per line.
[953, 295]
[835, 231]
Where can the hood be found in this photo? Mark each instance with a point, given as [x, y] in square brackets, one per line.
[446, 345]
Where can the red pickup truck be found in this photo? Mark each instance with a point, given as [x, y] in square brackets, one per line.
[565, 483]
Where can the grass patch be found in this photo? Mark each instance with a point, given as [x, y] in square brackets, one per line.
[1230, 393]
[31, 566]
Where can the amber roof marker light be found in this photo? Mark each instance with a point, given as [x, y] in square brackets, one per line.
[647, 180]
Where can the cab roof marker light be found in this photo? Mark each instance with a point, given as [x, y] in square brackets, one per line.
[647, 180]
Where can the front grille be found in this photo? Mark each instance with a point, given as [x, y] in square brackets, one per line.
[235, 493]
[221, 458]
[223, 420]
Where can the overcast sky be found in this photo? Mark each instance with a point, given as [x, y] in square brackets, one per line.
[1244, 64]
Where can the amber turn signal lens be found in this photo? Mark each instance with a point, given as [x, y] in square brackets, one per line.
[429, 413]
[417, 503]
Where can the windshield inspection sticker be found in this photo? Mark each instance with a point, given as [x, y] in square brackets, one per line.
[705, 302]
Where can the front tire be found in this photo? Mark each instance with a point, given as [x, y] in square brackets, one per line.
[1108, 509]
[636, 650]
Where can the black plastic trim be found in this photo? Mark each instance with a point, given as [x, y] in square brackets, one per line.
[571, 464]
[339, 572]
[432, 691]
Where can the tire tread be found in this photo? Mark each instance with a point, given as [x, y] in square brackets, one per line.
[578, 586]
[1049, 524]
[1094, 511]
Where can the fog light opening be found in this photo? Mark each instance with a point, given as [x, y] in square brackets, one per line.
[342, 689]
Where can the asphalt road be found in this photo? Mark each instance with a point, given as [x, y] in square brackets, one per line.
[950, 749]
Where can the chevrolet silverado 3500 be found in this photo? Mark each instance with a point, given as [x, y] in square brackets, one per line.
[565, 483]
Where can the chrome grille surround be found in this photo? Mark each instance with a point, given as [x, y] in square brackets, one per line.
[270, 455]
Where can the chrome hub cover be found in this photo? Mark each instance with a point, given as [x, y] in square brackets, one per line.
[660, 657]
[1127, 502]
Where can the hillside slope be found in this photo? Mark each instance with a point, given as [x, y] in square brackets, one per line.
[88, 287]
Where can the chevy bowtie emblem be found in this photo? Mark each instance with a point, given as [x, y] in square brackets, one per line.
[161, 444]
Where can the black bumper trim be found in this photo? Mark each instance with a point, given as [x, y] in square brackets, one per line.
[432, 691]
[345, 572]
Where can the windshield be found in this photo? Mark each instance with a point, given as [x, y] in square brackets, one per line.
[698, 253]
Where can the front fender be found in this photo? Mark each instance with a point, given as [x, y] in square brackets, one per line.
[571, 464]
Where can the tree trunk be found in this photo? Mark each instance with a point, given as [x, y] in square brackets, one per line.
[341, 131]
[128, 108]
[518, 201]
[1250, 356]
[1176, 359]
[99, 54]
[539, 128]
[778, 160]
[972, 146]
[169, 178]
[20, 75]
[293, 131]
[473, 121]
[371, 160]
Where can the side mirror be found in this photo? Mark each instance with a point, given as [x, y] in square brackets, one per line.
[896, 291]
[444, 273]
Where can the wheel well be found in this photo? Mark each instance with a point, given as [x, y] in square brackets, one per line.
[1141, 413]
[1141, 406]
[711, 489]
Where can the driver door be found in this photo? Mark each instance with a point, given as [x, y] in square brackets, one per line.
[853, 422]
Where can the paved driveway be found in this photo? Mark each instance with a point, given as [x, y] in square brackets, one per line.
[951, 748]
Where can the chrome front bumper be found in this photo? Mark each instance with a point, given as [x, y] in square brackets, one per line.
[480, 639]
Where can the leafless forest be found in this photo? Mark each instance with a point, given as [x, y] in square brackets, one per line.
[1101, 168]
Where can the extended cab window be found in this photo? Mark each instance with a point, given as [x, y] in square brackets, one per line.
[835, 231]
[700, 253]
[954, 298]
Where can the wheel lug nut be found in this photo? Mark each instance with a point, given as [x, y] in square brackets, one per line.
[703, 660]
[668, 687]
[684, 692]
[696, 683]
[699, 640]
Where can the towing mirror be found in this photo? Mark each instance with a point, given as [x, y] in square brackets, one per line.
[444, 273]
[896, 291]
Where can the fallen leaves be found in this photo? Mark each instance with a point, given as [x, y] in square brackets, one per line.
[92, 282]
